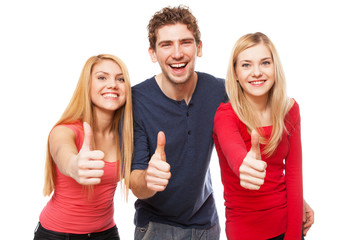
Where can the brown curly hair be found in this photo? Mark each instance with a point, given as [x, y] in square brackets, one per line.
[169, 16]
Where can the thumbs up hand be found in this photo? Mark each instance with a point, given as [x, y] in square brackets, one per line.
[158, 171]
[87, 167]
[253, 169]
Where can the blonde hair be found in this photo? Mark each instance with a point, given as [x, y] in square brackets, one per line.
[278, 100]
[80, 107]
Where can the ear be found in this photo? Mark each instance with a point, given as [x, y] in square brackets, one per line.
[152, 55]
[199, 49]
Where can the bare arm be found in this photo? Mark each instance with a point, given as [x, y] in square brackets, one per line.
[145, 183]
[138, 185]
[85, 166]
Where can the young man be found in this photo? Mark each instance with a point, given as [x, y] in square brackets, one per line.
[173, 116]
[181, 103]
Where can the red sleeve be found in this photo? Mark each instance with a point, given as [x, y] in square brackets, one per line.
[227, 128]
[293, 174]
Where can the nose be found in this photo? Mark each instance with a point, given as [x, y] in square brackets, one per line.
[257, 72]
[177, 51]
[111, 82]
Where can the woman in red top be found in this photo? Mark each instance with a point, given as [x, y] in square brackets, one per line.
[257, 138]
[89, 152]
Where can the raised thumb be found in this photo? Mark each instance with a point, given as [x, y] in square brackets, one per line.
[88, 136]
[160, 148]
[255, 144]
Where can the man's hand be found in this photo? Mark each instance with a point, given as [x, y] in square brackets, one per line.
[253, 169]
[87, 166]
[158, 172]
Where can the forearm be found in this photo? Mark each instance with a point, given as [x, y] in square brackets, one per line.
[64, 160]
[138, 185]
[293, 176]
[295, 211]
[229, 139]
[63, 149]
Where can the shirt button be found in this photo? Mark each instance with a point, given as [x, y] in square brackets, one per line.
[189, 132]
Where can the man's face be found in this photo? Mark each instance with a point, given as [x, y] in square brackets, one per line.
[176, 52]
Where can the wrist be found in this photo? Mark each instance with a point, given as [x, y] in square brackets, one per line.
[72, 167]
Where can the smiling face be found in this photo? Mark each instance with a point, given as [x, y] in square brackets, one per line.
[176, 52]
[107, 90]
[255, 71]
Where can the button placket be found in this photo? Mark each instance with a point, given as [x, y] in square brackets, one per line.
[187, 118]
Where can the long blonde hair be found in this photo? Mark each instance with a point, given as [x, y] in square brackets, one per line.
[80, 107]
[278, 100]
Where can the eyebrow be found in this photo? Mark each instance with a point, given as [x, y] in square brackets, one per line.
[187, 39]
[181, 40]
[101, 72]
[245, 60]
[266, 58]
[106, 73]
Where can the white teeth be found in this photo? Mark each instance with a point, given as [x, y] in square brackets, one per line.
[257, 82]
[110, 95]
[178, 65]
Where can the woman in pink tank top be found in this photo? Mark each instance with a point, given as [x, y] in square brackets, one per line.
[89, 151]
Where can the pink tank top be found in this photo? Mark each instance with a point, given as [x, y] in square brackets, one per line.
[74, 208]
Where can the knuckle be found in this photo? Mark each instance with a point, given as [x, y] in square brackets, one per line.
[148, 180]
[149, 171]
[167, 166]
[244, 184]
[166, 182]
[152, 163]
[82, 181]
[151, 186]
[243, 168]
[82, 164]
[80, 173]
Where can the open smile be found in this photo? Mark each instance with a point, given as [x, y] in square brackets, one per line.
[110, 95]
[178, 66]
[258, 83]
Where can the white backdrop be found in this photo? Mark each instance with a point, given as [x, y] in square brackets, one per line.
[44, 45]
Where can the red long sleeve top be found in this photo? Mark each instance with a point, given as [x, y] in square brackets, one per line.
[275, 208]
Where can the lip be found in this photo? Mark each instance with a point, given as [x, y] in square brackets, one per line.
[178, 68]
[257, 83]
[110, 95]
[179, 65]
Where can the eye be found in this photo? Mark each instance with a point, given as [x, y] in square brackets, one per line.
[165, 45]
[245, 65]
[120, 79]
[266, 63]
[102, 78]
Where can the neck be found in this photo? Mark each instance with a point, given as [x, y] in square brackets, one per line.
[104, 121]
[261, 108]
[259, 104]
[177, 91]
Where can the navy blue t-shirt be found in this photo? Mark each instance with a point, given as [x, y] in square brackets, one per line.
[188, 199]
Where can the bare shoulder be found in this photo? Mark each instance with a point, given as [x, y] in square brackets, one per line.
[61, 134]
